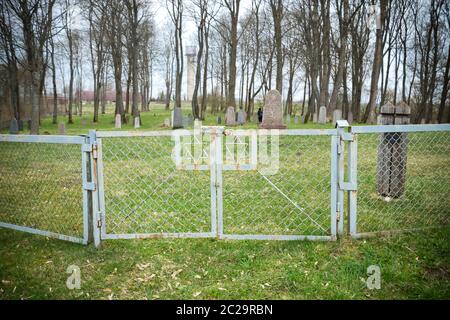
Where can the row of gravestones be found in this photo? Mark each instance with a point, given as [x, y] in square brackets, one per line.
[17, 125]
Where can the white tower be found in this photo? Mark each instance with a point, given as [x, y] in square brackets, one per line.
[190, 56]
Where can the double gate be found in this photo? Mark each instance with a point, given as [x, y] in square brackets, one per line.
[212, 182]
[227, 184]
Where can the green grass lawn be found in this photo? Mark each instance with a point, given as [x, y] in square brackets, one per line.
[145, 193]
[414, 266]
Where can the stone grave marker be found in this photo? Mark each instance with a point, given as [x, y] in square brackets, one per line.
[296, 120]
[350, 117]
[241, 117]
[14, 126]
[177, 118]
[62, 128]
[137, 122]
[288, 119]
[118, 122]
[322, 115]
[392, 152]
[273, 111]
[315, 117]
[166, 123]
[337, 115]
[230, 119]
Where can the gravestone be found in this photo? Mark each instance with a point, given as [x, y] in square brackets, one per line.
[118, 122]
[296, 120]
[322, 115]
[13, 126]
[337, 115]
[315, 117]
[392, 152]
[166, 123]
[230, 117]
[273, 111]
[241, 117]
[177, 118]
[303, 119]
[350, 117]
[255, 118]
[219, 120]
[62, 128]
[137, 122]
[288, 119]
[197, 123]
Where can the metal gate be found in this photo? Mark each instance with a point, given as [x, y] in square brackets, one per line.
[45, 185]
[212, 182]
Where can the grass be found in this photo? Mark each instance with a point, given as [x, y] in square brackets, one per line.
[144, 193]
[414, 266]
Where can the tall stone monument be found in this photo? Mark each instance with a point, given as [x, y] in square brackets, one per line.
[190, 71]
[273, 111]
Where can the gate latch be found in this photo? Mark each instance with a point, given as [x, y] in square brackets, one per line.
[90, 186]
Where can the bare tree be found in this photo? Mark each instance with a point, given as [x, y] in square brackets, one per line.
[35, 18]
[175, 9]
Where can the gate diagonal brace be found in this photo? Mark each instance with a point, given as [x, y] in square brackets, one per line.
[302, 210]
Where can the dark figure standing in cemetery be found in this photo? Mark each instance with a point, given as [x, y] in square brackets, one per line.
[260, 115]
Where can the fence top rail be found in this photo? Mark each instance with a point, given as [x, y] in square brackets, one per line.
[43, 139]
[233, 132]
[282, 132]
[401, 128]
[160, 133]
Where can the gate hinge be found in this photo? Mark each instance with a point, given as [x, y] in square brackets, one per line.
[338, 216]
[99, 223]
[94, 150]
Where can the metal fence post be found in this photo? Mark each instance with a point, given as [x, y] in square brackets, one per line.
[85, 178]
[352, 176]
[95, 217]
[213, 173]
[219, 164]
[334, 186]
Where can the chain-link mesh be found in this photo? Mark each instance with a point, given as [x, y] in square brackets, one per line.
[146, 193]
[403, 180]
[293, 201]
[41, 186]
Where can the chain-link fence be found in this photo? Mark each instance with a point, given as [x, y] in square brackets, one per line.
[232, 184]
[214, 184]
[294, 199]
[146, 193]
[403, 180]
[41, 186]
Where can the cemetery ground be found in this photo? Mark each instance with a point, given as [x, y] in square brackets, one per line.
[413, 265]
